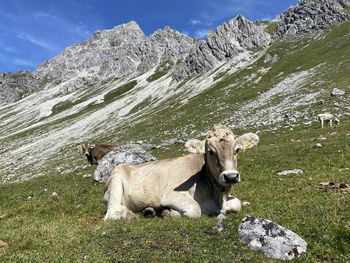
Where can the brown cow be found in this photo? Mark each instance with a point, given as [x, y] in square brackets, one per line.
[190, 185]
[95, 152]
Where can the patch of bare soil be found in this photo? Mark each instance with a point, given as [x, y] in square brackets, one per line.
[335, 186]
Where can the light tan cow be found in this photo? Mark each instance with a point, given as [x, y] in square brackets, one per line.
[188, 186]
[327, 117]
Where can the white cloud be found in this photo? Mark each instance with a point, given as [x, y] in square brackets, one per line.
[202, 33]
[37, 41]
[57, 22]
[9, 49]
[195, 21]
[23, 62]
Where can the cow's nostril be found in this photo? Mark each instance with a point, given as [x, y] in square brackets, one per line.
[231, 177]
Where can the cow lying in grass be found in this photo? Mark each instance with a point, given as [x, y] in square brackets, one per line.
[188, 186]
[327, 117]
[95, 152]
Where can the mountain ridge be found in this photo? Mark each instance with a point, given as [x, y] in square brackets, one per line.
[274, 85]
[125, 50]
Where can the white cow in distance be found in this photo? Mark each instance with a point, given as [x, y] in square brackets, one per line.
[327, 117]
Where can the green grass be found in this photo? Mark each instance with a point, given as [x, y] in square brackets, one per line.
[120, 91]
[218, 102]
[161, 71]
[271, 28]
[69, 228]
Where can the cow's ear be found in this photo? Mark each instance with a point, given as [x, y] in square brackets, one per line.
[92, 146]
[247, 140]
[195, 146]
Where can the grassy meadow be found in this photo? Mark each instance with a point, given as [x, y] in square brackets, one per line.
[41, 228]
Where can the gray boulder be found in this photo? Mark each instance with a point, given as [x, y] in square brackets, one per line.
[337, 92]
[273, 240]
[128, 154]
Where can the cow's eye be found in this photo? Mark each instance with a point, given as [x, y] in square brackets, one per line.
[236, 151]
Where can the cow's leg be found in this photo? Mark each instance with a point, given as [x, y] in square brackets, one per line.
[113, 196]
[181, 203]
[232, 204]
[322, 123]
[170, 213]
[330, 123]
[149, 212]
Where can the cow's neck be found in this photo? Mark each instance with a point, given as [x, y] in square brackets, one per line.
[219, 192]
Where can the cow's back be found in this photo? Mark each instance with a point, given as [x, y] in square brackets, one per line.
[146, 184]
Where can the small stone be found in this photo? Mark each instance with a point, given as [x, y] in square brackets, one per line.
[87, 176]
[29, 197]
[54, 195]
[318, 145]
[337, 92]
[244, 203]
[3, 244]
[288, 172]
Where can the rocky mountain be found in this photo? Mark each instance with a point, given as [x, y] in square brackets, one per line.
[229, 39]
[14, 86]
[310, 16]
[122, 86]
[125, 50]
[116, 53]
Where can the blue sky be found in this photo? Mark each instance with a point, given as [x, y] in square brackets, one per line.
[32, 31]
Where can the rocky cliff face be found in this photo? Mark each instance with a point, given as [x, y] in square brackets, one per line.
[125, 51]
[310, 16]
[116, 53]
[14, 86]
[229, 39]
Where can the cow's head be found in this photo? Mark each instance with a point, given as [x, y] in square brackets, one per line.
[87, 147]
[221, 150]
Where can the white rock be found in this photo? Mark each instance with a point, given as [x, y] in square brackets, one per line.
[273, 240]
[287, 172]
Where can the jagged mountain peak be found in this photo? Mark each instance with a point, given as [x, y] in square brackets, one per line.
[128, 28]
[169, 32]
[131, 26]
[311, 16]
[125, 50]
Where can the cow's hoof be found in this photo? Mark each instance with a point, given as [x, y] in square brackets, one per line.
[130, 216]
[149, 212]
[170, 213]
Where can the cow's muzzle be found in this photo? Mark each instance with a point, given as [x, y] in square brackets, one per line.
[87, 154]
[230, 177]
